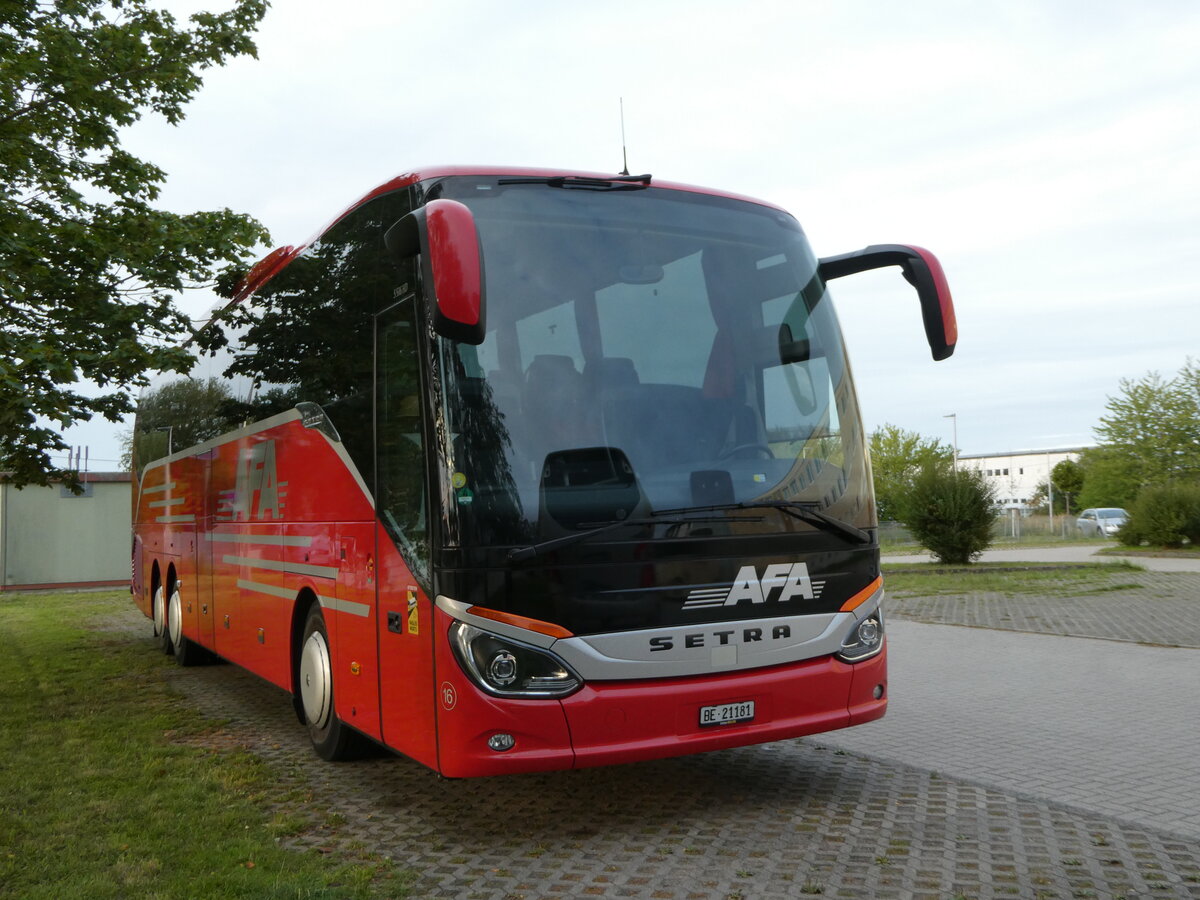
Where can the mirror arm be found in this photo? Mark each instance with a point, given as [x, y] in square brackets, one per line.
[922, 270]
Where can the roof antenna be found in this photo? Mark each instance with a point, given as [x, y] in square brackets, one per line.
[624, 155]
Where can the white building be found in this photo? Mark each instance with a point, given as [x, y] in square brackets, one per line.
[1016, 474]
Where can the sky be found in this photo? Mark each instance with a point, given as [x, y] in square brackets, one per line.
[1047, 152]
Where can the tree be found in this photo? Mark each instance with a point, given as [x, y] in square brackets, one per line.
[897, 456]
[1109, 478]
[1151, 435]
[1067, 478]
[950, 513]
[176, 415]
[88, 267]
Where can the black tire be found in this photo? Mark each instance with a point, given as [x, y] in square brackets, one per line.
[331, 738]
[158, 616]
[186, 652]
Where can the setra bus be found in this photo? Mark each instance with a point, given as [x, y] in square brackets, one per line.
[513, 470]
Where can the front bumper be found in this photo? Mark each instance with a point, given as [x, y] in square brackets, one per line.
[611, 722]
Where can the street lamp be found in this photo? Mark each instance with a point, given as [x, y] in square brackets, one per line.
[954, 416]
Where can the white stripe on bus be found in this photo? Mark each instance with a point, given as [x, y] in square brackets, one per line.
[282, 565]
[346, 606]
[264, 540]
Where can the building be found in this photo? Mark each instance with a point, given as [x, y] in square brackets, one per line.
[1016, 475]
[52, 538]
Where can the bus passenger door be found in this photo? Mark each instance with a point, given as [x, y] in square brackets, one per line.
[402, 540]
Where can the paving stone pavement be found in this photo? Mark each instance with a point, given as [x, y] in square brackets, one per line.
[789, 820]
[1109, 727]
[1145, 607]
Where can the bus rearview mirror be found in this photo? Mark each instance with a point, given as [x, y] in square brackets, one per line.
[443, 233]
[923, 271]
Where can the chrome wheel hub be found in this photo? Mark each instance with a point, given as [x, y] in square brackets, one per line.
[159, 612]
[316, 679]
[175, 617]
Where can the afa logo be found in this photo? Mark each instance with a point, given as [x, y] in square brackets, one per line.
[258, 493]
[790, 580]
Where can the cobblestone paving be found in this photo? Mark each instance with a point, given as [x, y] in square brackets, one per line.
[787, 820]
[1145, 607]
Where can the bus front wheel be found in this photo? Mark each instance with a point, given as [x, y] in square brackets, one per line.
[332, 739]
[186, 652]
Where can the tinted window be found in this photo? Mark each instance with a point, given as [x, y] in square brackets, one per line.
[306, 336]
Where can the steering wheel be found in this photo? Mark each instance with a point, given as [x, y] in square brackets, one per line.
[766, 451]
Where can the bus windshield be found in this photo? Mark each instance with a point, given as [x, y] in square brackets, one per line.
[646, 350]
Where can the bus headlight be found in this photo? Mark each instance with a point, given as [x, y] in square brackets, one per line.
[864, 640]
[508, 668]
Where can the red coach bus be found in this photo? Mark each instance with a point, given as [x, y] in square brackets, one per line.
[514, 470]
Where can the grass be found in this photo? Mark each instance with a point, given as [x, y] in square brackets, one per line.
[107, 791]
[1064, 579]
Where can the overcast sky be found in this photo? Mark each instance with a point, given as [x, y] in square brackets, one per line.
[1047, 152]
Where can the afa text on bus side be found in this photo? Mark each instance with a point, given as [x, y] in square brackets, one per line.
[512, 470]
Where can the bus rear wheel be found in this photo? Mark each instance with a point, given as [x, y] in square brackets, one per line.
[162, 637]
[331, 738]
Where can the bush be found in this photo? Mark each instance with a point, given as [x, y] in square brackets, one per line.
[950, 513]
[1164, 515]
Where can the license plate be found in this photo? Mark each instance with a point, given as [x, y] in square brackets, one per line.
[727, 713]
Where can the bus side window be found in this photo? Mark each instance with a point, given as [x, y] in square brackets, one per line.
[399, 448]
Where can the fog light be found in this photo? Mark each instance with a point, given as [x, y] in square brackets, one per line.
[502, 670]
[502, 742]
[878, 691]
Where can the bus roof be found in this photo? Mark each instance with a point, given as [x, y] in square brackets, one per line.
[269, 265]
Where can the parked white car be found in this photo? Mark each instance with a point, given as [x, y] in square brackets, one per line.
[1101, 522]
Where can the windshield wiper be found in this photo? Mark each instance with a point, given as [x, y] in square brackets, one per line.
[805, 512]
[666, 517]
[614, 183]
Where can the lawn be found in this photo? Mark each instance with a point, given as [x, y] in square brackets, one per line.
[929, 579]
[108, 790]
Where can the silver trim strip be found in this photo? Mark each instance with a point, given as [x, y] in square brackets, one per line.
[168, 520]
[173, 501]
[282, 565]
[259, 540]
[159, 488]
[265, 425]
[346, 606]
[616, 656]
[730, 646]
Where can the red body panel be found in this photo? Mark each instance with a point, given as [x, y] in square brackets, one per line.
[626, 721]
[289, 521]
[467, 717]
[406, 665]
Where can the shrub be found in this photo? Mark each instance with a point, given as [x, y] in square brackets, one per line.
[1164, 515]
[950, 513]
